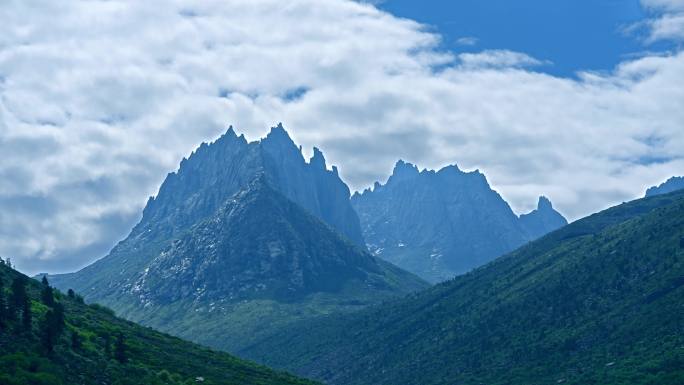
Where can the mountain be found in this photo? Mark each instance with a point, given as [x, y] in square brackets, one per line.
[245, 238]
[542, 220]
[597, 302]
[673, 184]
[444, 223]
[92, 346]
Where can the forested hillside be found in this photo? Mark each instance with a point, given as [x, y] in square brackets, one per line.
[51, 338]
[596, 302]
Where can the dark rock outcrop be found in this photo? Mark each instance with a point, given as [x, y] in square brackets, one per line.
[259, 244]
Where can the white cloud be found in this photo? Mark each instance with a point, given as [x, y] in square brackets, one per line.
[99, 100]
[669, 5]
[467, 41]
[668, 21]
[668, 27]
[498, 59]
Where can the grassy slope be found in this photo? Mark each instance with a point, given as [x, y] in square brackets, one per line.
[236, 326]
[597, 302]
[153, 357]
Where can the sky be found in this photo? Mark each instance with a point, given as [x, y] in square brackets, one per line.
[571, 35]
[580, 101]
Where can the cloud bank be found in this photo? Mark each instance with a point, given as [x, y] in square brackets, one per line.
[100, 99]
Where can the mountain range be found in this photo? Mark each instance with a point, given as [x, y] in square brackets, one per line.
[438, 224]
[252, 249]
[244, 239]
[596, 302]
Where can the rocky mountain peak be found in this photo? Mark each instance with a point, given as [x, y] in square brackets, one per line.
[441, 223]
[673, 184]
[281, 147]
[317, 160]
[538, 222]
[403, 171]
[544, 204]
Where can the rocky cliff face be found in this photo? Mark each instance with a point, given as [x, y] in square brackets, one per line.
[438, 224]
[258, 244]
[218, 170]
[673, 184]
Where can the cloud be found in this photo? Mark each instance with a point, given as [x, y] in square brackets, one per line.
[668, 27]
[669, 5]
[99, 100]
[467, 41]
[667, 22]
[498, 59]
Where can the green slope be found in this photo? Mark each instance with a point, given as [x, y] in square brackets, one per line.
[149, 357]
[597, 302]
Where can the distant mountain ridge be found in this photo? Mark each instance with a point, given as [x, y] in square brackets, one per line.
[241, 240]
[438, 224]
[673, 184]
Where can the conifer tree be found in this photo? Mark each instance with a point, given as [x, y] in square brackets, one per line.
[46, 294]
[75, 340]
[3, 305]
[26, 316]
[52, 327]
[18, 297]
[107, 342]
[48, 332]
[120, 348]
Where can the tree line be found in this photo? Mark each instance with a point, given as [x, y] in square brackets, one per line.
[17, 313]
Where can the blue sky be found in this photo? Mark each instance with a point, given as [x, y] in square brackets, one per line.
[573, 35]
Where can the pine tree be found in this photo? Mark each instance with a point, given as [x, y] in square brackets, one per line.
[48, 333]
[52, 327]
[46, 294]
[75, 340]
[71, 293]
[120, 348]
[107, 339]
[26, 316]
[18, 297]
[59, 317]
[3, 305]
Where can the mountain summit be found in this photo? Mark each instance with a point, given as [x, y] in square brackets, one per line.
[673, 184]
[218, 170]
[244, 238]
[541, 221]
[438, 224]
